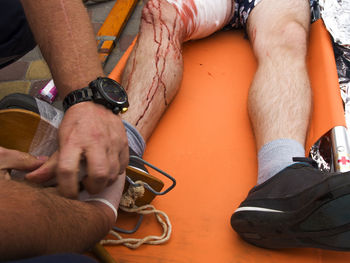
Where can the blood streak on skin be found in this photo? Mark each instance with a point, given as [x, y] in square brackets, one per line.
[162, 52]
[189, 12]
[132, 68]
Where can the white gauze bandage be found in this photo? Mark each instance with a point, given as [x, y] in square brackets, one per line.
[203, 17]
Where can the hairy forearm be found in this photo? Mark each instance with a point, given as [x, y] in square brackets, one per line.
[64, 33]
[36, 221]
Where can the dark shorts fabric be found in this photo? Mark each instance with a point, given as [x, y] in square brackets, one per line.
[57, 258]
[16, 38]
[242, 11]
[244, 7]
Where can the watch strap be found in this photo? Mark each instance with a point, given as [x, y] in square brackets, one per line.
[77, 96]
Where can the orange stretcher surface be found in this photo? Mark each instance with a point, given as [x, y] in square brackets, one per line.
[205, 141]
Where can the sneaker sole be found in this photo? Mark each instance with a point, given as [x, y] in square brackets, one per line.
[323, 223]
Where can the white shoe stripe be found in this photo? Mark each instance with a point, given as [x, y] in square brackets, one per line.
[260, 209]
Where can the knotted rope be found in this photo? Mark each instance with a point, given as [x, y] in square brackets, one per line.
[127, 204]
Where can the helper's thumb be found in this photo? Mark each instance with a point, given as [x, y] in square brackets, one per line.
[20, 161]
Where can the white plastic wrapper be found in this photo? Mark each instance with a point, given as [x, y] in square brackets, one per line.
[44, 142]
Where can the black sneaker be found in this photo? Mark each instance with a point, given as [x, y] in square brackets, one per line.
[299, 207]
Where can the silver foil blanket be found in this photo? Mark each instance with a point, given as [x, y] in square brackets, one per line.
[336, 16]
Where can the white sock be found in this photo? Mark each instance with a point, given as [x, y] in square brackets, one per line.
[277, 155]
[135, 140]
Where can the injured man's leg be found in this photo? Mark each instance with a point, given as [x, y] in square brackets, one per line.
[294, 204]
[154, 70]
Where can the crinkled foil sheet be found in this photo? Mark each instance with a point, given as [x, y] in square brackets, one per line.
[336, 16]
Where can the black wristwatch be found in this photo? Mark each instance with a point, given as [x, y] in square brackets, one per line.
[104, 91]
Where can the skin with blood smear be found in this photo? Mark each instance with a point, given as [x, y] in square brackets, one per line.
[153, 83]
[145, 77]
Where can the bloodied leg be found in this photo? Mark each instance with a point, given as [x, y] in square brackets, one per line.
[154, 69]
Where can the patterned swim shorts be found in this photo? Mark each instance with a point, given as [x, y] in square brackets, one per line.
[243, 9]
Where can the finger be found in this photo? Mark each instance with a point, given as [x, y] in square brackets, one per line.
[12, 159]
[112, 178]
[4, 175]
[122, 162]
[114, 161]
[98, 168]
[114, 166]
[124, 159]
[120, 153]
[67, 171]
[44, 172]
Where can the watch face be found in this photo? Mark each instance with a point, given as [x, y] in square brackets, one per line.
[113, 91]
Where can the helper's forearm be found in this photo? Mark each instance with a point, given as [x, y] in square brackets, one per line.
[64, 33]
[36, 221]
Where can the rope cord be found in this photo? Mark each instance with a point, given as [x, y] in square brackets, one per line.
[128, 205]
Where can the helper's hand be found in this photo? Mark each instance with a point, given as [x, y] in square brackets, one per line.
[92, 133]
[12, 159]
[45, 175]
[45, 172]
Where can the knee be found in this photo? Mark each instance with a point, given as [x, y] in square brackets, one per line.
[294, 37]
[163, 18]
[289, 38]
[152, 12]
[160, 13]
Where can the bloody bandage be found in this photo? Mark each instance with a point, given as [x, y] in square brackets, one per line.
[203, 17]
